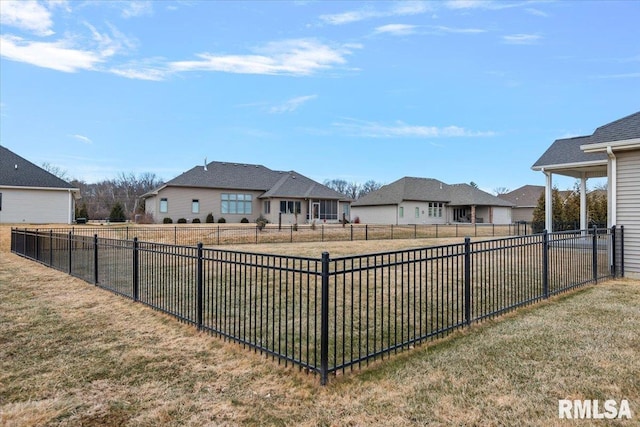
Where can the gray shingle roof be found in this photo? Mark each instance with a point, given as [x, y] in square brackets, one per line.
[525, 196]
[620, 130]
[428, 190]
[567, 150]
[16, 171]
[242, 176]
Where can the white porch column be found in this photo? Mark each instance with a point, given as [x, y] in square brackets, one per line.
[548, 202]
[583, 202]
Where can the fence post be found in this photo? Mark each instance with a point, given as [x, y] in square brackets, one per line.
[37, 245]
[467, 281]
[218, 235]
[545, 264]
[415, 231]
[352, 232]
[175, 234]
[324, 321]
[322, 236]
[95, 259]
[391, 231]
[50, 248]
[613, 251]
[622, 251]
[366, 232]
[69, 248]
[136, 270]
[595, 253]
[199, 276]
[256, 234]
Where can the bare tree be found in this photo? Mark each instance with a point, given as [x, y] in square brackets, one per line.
[368, 187]
[501, 190]
[56, 170]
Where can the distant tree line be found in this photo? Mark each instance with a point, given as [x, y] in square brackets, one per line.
[352, 190]
[566, 209]
[115, 199]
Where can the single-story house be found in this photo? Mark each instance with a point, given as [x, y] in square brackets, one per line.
[612, 151]
[412, 200]
[32, 195]
[525, 200]
[234, 191]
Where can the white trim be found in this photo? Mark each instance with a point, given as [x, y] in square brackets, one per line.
[560, 166]
[21, 187]
[613, 188]
[625, 144]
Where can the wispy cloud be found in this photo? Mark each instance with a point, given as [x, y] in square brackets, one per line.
[485, 4]
[292, 104]
[396, 29]
[298, 57]
[137, 8]
[59, 55]
[521, 39]
[619, 76]
[402, 130]
[27, 15]
[399, 9]
[536, 12]
[82, 138]
[453, 30]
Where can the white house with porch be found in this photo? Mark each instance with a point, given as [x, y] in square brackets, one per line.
[612, 151]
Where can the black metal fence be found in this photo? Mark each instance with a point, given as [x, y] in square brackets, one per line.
[326, 314]
[218, 235]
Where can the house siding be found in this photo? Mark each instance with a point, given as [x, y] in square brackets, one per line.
[377, 214]
[35, 206]
[522, 214]
[179, 204]
[628, 208]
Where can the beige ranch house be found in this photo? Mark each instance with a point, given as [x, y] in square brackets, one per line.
[234, 191]
[412, 200]
[32, 195]
[612, 151]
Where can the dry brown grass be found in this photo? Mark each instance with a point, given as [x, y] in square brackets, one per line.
[72, 354]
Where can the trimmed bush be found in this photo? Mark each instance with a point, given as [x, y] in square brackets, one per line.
[209, 219]
[221, 220]
[182, 221]
[244, 221]
[261, 222]
[167, 221]
[196, 221]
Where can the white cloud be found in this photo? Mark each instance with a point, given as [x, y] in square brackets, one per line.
[444, 29]
[58, 55]
[399, 9]
[82, 138]
[403, 130]
[137, 8]
[290, 57]
[619, 76]
[521, 39]
[26, 15]
[292, 104]
[396, 29]
[537, 12]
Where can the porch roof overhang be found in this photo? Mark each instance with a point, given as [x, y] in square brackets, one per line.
[592, 169]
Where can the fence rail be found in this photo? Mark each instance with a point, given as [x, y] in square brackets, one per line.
[218, 235]
[332, 314]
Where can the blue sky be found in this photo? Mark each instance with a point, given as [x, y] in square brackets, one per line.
[459, 91]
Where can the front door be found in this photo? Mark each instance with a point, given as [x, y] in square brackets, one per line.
[315, 209]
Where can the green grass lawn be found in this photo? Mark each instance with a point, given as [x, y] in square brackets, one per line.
[72, 354]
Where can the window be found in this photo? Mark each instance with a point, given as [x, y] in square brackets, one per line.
[435, 209]
[231, 203]
[417, 212]
[290, 207]
[401, 211]
[195, 206]
[164, 205]
[267, 206]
